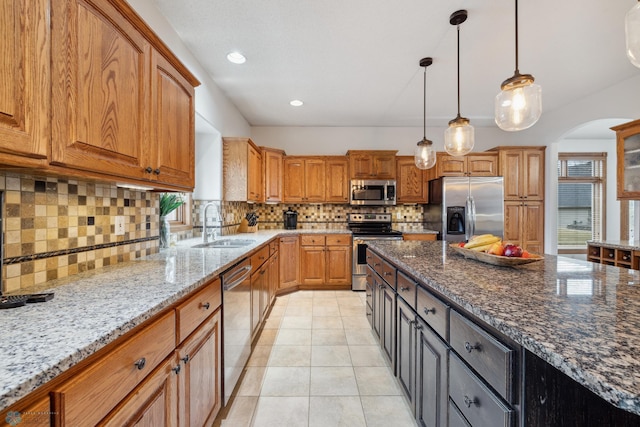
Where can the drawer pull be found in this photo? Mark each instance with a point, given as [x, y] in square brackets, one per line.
[368, 314]
[368, 257]
[368, 295]
[176, 369]
[470, 348]
[140, 363]
[387, 273]
[376, 264]
[205, 305]
[468, 401]
[185, 359]
[417, 325]
[403, 289]
[429, 310]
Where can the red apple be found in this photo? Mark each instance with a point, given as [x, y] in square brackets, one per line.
[512, 250]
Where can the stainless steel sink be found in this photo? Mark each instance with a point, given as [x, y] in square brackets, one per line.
[226, 243]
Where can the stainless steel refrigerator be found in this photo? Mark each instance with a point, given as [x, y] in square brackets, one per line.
[460, 207]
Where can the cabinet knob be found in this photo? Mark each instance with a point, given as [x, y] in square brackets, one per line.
[376, 264]
[205, 305]
[470, 348]
[140, 363]
[157, 171]
[185, 359]
[429, 310]
[176, 369]
[611, 255]
[470, 401]
[403, 289]
[386, 273]
[417, 325]
[149, 169]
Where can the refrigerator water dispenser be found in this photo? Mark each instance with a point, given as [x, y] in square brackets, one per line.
[455, 220]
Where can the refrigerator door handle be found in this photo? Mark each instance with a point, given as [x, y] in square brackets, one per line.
[471, 218]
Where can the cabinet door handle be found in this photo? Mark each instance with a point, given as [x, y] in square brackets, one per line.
[368, 295]
[368, 257]
[205, 305]
[176, 369]
[403, 289]
[429, 310]
[140, 363]
[470, 348]
[376, 264]
[386, 273]
[185, 359]
[470, 401]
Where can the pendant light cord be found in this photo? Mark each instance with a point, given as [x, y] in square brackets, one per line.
[458, 27]
[424, 105]
[517, 72]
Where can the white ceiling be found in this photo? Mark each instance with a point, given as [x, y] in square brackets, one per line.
[355, 62]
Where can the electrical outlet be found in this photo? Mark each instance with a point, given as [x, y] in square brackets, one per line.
[398, 215]
[120, 226]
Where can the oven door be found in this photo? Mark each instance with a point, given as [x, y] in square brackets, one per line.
[359, 270]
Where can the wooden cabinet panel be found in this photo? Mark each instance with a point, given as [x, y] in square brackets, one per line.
[432, 385]
[293, 180]
[273, 174]
[533, 175]
[100, 89]
[627, 172]
[197, 308]
[511, 171]
[241, 170]
[524, 225]
[411, 184]
[337, 181]
[153, 403]
[512, 222]
[200, 379]
[312, 265]
[450, 166]
[25, 86]
[372, 164]
[304, 179]
[338, 265]
[477, 164]
[406, 351]
[314, 180]
[325, 259]
[415, 236]
[289, 262]
[173, 127]
[523, 172]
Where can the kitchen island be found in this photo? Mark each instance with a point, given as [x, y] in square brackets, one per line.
[580, 318]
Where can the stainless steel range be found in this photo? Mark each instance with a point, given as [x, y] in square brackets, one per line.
[366, 227]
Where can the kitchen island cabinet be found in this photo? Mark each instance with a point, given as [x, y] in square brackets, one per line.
[541, 352]
[621, 253]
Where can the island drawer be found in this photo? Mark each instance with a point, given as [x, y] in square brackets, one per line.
[476, 401]
[407, 289]
[456, 419]
[106, 382]
[374, 261]
[433, 311]
[196, 309]
[312, 240]
[338, 240]
[274, 246]
[369, 293]
[484, 353]
[389, 273]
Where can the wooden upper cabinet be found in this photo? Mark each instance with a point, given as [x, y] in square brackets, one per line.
[628, 157]
[523, 172]
[173, 127]
[241, 170]
[121, 104]
[337, 182]
[476, 164]
[24, 88]
[411, 184]
[272, 164]
[524, 224]
[304, 179]
[372, 164]
[100, 89]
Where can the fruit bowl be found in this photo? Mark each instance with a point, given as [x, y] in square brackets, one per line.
[502, 261]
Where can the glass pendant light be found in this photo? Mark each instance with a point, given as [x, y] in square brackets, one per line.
[425, 155]
[632, 32]
[459, 136]
[519, 105]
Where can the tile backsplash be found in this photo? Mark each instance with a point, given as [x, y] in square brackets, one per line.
[56, 227]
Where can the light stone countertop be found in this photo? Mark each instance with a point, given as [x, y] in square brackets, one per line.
[91, 309]
[581, 317]
[633, 245]
[412, 228]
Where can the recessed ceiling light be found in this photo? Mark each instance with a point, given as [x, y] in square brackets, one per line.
[236, 58]
[296, 103]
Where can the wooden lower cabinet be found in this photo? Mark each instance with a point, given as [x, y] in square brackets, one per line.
[325, 260]
[524, 225]
[200, 376]
[312, 265]
[289, 263]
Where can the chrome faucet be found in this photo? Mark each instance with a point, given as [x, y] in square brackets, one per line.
[205, 232]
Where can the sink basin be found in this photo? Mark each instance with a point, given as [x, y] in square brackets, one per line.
[225, 243]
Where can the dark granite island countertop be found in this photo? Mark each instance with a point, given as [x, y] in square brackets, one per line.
[580, 317]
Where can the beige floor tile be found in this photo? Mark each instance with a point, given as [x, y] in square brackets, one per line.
[328, 337]
[296, 322]
[272, 322]
[295, 309]
[375, 381]
[260, 355]
[336, 411]
[241, 412]
[267, 337]
[252, 382]
[278, 310]
[281, 301]
[333, 381]
[301, 295]
[334, 355]
[347, 311]
[360, 337]
[281, 412]
[354, 301]
[286, 381]
[293, 337]
[327, 322]
[355, 322]
[324, 294]
[326, 310]
[367, 355]
[385, 411]
[290, 355]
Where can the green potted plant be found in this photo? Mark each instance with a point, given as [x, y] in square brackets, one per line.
[169, 202]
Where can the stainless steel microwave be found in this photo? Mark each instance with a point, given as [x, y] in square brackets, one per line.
[372, 192]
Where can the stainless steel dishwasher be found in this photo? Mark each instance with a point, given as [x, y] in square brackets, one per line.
[236, 323]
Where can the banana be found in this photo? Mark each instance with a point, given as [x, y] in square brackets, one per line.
[482, 248]
[485, 239]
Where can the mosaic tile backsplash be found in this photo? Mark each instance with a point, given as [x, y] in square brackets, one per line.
[57, 227]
